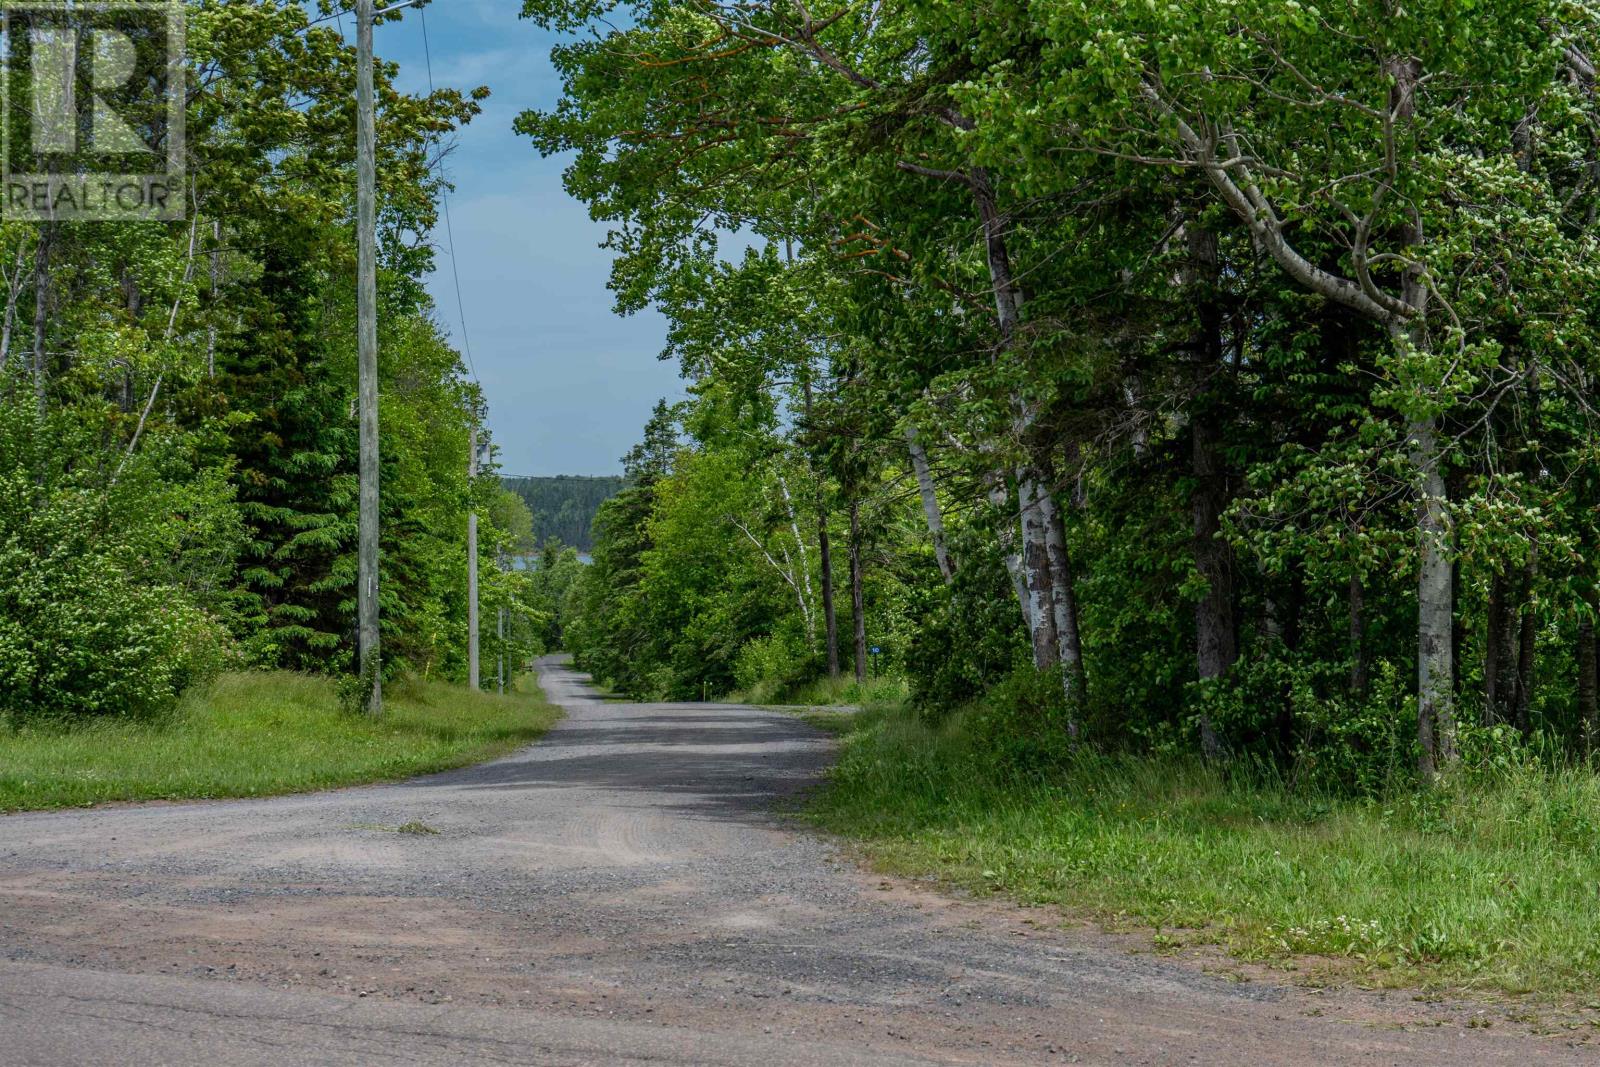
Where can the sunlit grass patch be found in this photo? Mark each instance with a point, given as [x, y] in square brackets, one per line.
[881, 690]
[261, 733]
[1488, 881]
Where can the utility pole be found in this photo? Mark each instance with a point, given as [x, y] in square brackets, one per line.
[500, 630]
[500, 656]
[472, 567]
[369, 656]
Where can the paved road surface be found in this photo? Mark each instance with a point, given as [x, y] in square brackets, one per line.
[620, 893]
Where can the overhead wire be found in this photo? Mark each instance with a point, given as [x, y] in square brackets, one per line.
[444, 200]
[449, 229]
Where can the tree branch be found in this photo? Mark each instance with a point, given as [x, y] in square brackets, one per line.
[1238, 189]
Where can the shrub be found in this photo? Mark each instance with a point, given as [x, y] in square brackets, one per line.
[966, 636]
[103, 571]
[1022, 723]
[1300, 713]
[79, 635]
[767, 667]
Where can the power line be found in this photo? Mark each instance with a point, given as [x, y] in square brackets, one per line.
[340, 12]
[472, 459]
[449, 230]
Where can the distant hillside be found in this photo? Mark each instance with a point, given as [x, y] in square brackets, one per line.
[564, 505]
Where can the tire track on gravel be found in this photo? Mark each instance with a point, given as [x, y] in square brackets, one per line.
[621, 892]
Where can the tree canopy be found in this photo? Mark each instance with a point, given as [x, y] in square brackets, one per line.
[1229, 363]
[177, 420]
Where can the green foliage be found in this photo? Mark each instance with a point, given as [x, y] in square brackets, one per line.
[554, 589]
[1301, 712]
[1284, 311]
[293, 446]
[1486, 882]
[606, 632]
[177, 402]
[767, 668]
[107, 579]
[966, 637]
[564, 506]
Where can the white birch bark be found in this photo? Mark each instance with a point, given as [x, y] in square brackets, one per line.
[1036, 569]
[806, 599]
[930, 502]
[1000, 498]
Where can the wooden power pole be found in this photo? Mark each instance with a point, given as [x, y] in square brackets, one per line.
[472, 568]
[370, 661]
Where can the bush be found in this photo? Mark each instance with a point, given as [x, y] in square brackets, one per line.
[967, 636]
[1023, 723]
[1299, 713]
[101, 571]
[767, 667]
[81, 636]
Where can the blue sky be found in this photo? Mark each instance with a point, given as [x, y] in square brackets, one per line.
[569, 383]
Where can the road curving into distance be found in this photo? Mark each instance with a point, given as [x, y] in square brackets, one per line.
[626, 891]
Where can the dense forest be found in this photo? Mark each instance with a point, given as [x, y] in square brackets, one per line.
[564, 506]
[1204, 378]
[178, 445]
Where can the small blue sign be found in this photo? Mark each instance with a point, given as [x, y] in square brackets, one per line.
[876, 650]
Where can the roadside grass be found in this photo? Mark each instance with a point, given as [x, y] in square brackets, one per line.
[825, 692]
[1490, 882]
[263, 733]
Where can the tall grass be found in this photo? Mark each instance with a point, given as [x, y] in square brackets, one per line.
[1491, 880]
[825, 692]
[255, 734]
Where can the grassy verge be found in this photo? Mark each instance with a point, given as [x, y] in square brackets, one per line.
[258, 734]
[824, 692]
[1488, 883]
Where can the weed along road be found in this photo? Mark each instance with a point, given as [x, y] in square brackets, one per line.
[625, 891]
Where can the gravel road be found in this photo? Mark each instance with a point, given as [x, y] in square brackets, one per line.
[622, 892]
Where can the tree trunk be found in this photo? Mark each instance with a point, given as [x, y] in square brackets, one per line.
[1007, 299]
[1000, 497]
[1522, 705]
[1436, 707]
[857, 599]
[1216, 636]
[1458, 629]
[830, 616]
[13, 295]
[930, 502]
[1216, 630]
[41, 310]
[1287, 608]
[216, 283]
[1495, 636]
[1030, 489]
[1138, 422]
[802, 588]
[1036, 570]
[1064, 606]
[1436, 714]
